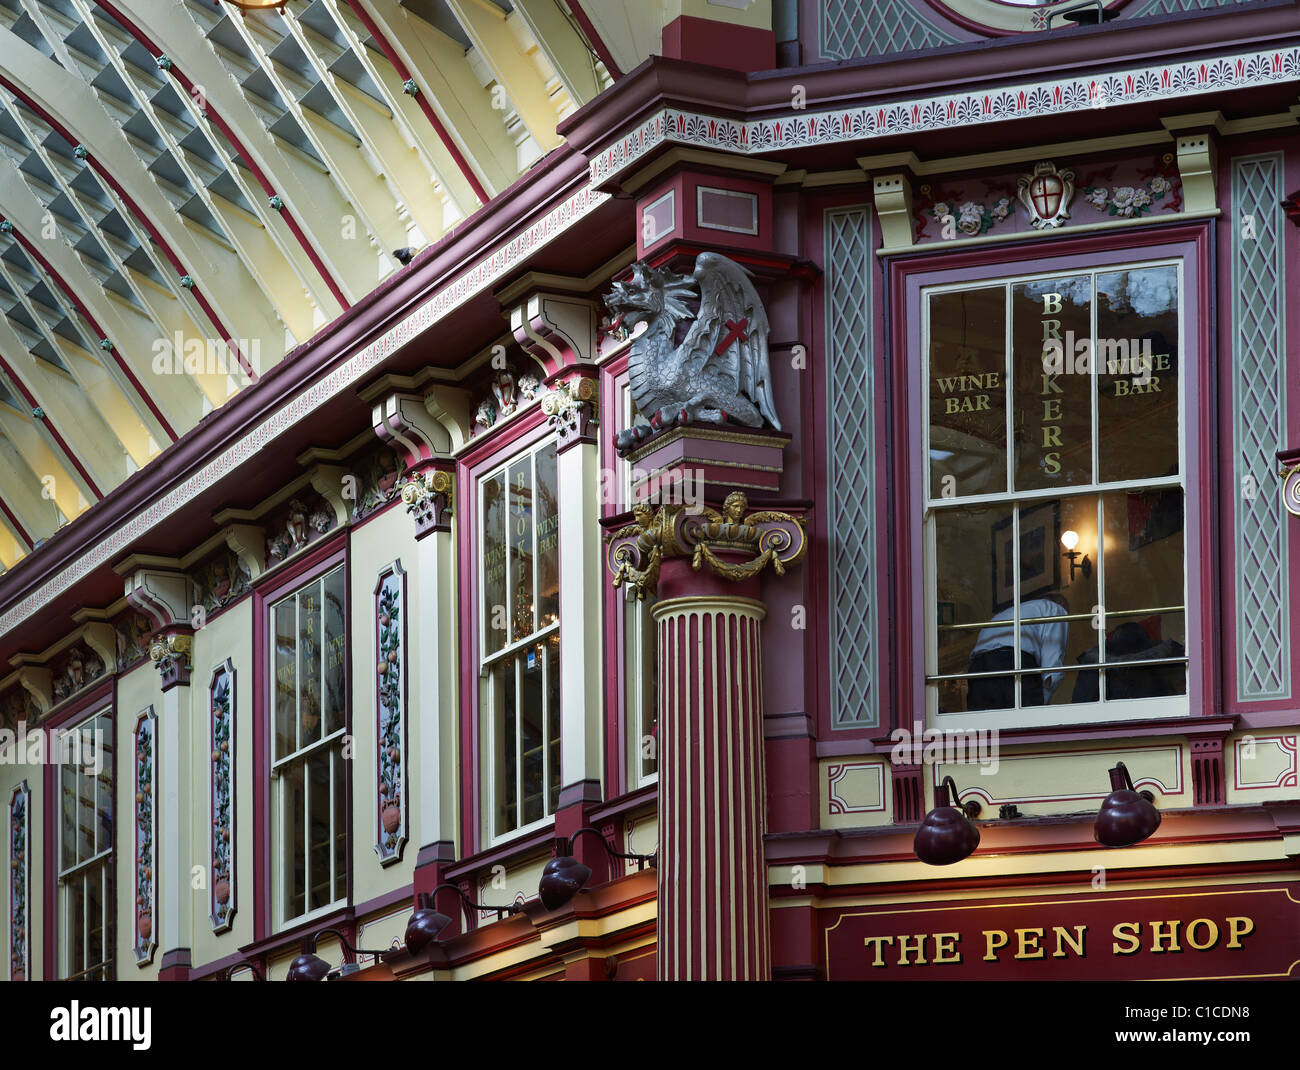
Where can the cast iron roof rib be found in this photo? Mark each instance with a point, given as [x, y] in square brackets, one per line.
[89, 317]
[422, 100]
[194, 93]
[182, 173]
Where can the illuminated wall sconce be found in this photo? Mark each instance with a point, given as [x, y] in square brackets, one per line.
[947, 834]
[1126, 816]
[564, 876]
[1070, 539]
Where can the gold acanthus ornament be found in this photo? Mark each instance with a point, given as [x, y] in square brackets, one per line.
[637, 551]
[428, 484]
[165, 649]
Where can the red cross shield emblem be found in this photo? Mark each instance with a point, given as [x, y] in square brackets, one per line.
[1046, 195]
[1046, 191]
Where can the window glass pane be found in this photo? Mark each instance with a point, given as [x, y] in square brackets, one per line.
[104, 790]
[548, 538]
[309, 664]
[506, 714]
[968, 404]
[1144, 592]
[286, 677]
[520, 481]
[335, 653]
[94, 917]
[319, 846]
[340, 824]
[493, 548]
[553, 725]
[68, 776]
[532, 733]
[110, 932]
[1138, 368]
[77, 923]
[295, 896]
[973, 565]
[87, 803]
[1052, 409]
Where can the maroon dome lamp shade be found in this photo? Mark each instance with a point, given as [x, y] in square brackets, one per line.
[309, 966]
[947, 834]
[564, 876]
[424, 925]
[1126, 816]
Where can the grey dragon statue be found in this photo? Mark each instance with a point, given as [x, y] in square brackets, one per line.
[719, 372]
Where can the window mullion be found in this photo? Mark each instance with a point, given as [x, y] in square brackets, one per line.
[1010, 388]
[519, 741]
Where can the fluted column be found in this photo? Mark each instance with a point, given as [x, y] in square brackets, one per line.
[704, 566]
[713, 922]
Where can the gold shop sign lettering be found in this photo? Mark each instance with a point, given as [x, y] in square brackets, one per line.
[1197, 934]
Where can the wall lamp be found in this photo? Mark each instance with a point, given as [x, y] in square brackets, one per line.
[426, 923]
[1126, 816]
[225, 974]
[1070, 539]
[310, 967]
[564, 876]
[947, 834]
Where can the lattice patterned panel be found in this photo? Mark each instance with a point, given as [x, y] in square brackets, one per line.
[850, 453]
[853, 28]
[1259, 404]
[1170, 7]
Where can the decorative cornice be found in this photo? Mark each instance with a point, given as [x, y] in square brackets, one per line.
[1012, 100]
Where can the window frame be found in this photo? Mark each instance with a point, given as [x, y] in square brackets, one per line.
[313, 565]
[486, 456]
[907, 277]
[100, 699]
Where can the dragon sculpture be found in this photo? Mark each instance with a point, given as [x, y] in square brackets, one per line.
[719, 371]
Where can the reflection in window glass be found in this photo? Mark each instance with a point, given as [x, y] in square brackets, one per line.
[520, 700]
[308, 773]
[968, 409]
[1065, 586]
[1052, 410]
[1137, 373]
[87, 905]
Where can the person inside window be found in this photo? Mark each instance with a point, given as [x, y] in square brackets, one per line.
[1042, 645]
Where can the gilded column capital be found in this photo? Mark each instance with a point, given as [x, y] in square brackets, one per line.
[430, 497]
[170, 654]
[571, 408]
[766, 538]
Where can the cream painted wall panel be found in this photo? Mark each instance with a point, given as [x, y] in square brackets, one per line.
[641, 835]
[1263, 765]
[509, 885]
[386, 537]
[854, 792]
[1071, 777]
[226, 635]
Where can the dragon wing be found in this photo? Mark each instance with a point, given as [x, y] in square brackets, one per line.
[727, 296]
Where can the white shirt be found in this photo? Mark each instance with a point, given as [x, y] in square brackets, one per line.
[1046, 641]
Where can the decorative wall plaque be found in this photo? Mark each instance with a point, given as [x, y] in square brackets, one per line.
[390, 713]
[146, 828]
[221, 705]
